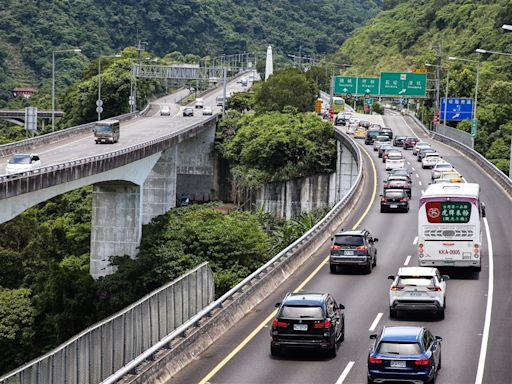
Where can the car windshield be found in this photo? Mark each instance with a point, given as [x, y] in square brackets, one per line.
[301, 312]
[443, 166]
[394, 194]
[19, 159]
[394, 157]
[416, 281]
[348, 240]
[399, 348]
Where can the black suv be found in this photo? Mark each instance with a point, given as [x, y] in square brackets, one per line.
[353, 248]
[307, 320]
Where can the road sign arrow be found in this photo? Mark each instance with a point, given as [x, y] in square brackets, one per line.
[456, 115]
[402, 91]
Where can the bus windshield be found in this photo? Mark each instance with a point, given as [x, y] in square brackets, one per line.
[103, 128]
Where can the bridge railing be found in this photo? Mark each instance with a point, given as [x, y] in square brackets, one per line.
[201, 330]
[105, 347]
[485, 164]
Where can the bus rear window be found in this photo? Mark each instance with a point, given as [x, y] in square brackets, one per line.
[448, 211]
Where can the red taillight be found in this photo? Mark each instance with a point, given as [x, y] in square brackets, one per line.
[433, 288]
[336, 247]
[374, 360]
[397, 287]
[323, 324]
[383, 199]
[420, 248]
[362, 248]
[476, 249]
[279, 324]
[422, 362]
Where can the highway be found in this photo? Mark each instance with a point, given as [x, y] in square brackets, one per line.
[243, 354]
[133, 132]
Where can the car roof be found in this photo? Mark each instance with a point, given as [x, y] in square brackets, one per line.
[304, 298]
[417, 271]
[360, 232]
[402, 333]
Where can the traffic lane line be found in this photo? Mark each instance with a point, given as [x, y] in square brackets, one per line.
[415, 241]
[407, 259]
[420, 183]
[265, 322]
[345, 372]
[375, 322]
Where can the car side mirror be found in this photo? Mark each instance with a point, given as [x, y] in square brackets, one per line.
[446, 277]
[373, 336]
[439, 338]
[381, 195]
[375, 239]
[391, 277]
[278, 305]
[341, 306]
[332, 238]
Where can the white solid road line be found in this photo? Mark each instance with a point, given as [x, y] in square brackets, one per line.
[345, 372]
[415, 240]
[407, 259]
[488, 310]
[419, 182]
[375, 322]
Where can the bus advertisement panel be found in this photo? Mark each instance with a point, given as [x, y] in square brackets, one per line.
[449, 226]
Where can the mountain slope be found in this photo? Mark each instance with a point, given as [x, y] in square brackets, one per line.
[201, 27]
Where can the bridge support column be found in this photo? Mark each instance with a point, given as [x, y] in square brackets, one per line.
[346, 171]
[195, 168]
[116, 224]
[160, 187]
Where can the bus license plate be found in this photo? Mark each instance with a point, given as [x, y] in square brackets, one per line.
[397, 364]
[300, 327]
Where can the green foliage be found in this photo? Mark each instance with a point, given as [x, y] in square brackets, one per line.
[278, 146]
[289, 87]
[16, 320]
[241, 101]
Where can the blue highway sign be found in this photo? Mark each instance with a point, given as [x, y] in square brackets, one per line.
[457, 108]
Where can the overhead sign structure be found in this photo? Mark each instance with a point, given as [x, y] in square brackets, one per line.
[368, 85]
[344, 85]
[407, 84]
[457, 108]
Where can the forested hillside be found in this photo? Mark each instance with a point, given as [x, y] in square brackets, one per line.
[31, 30]
[404, 35]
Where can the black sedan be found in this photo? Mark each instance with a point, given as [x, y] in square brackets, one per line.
[394, 200]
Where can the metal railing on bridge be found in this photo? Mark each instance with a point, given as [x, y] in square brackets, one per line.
[105, 347]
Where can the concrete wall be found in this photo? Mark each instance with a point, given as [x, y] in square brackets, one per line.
[289, 199]
[195, 167]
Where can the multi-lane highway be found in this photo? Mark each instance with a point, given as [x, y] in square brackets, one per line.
[242, 355]
[133, 132]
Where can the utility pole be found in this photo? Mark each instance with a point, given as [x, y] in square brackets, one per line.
[438, 83]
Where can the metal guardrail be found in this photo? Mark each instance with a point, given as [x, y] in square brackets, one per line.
[256, 278]
[105, 347]
[485, 164]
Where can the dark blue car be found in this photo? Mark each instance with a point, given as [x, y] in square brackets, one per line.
[404, 353]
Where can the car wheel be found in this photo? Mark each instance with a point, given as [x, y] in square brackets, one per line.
[439, 365]
[333, 268]
[370, 380]
[392, 313]
[441, 314]
[375, 260]
[381, 210]
[342, 334]
[422, 166]
[275, 351]
[369, 267]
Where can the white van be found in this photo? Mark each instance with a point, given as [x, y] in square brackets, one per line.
[199, 102]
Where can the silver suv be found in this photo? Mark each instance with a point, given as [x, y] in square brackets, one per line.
[353, 248]
[417, 289]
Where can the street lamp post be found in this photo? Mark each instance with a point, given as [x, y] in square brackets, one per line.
[474, 121]
[438, 86]
[53, 80]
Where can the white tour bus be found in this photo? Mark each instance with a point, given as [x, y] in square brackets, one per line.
[449, 226]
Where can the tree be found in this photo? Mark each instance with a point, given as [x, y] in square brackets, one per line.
[289, 87]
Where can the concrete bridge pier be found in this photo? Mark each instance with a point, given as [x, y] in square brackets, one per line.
[159, 192]
[116, 223]
[196, 163]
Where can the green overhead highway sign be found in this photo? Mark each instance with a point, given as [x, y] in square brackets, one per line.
[344, 85]
[403, 84]
[367, 85]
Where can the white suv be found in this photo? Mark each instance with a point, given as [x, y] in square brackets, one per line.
[417, 289]
[430, 160]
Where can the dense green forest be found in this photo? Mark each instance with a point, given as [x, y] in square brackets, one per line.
[404, 35]
[31, 30]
